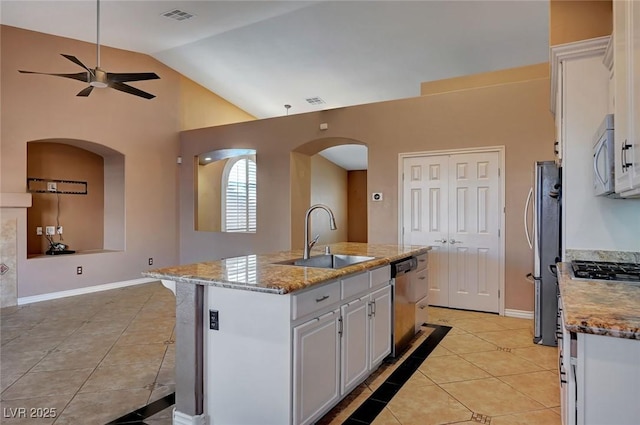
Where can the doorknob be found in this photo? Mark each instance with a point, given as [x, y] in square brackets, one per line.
[443, 240]
[453, 241]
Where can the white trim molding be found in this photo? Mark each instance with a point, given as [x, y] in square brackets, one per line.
[574, 50]
[520, 314]
[180, 418]
[82, 291]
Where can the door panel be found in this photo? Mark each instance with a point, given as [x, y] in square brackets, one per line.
[425, 217]
[460, 219]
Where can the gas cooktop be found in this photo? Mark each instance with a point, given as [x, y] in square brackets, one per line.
[603, 270]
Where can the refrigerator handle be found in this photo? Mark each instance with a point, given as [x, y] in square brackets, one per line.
[526, 225]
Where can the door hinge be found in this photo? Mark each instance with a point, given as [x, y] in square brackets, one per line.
[340, 326]
[498, 172]
[498, 232]
[498, 294]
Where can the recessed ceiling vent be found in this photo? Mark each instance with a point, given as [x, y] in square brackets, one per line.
[315, 100]
[178, 15]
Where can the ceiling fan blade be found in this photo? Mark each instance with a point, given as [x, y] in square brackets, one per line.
[85, 92]
[76, 61]
[131, 90]
[80, 76]
[126, 77]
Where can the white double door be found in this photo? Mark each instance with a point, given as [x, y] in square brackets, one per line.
[453, 203]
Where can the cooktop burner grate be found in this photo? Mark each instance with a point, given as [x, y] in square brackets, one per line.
[604, 270]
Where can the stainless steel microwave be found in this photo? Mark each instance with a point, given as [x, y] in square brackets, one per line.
[603, 159]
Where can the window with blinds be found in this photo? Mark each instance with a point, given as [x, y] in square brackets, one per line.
[240, 199]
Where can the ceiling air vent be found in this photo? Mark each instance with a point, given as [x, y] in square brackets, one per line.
[315, 100]
[178, 15]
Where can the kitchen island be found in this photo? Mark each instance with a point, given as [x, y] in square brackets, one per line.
[599, 350]
[262, 341]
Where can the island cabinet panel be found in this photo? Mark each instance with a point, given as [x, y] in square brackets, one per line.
[247, 362]
[316, 366]
[380, 339]
[288, 359]
[355, 343]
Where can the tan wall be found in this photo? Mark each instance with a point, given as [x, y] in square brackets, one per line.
[38, 107]
[486, 79]
[81, 216]
[202, 108]
[515, 115]
[300, 183]
[575, 20]
[329, 187]
[209, 199]
[357, 205]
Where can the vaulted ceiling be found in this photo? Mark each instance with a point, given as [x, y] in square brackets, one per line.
[312, 55]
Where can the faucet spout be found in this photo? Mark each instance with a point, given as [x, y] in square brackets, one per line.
[332, 224]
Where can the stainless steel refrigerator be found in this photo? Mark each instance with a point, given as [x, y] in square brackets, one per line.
[545, 198]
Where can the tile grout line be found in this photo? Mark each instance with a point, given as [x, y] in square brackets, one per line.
[378, 400]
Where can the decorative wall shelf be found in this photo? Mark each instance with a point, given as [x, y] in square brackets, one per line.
[38, 185]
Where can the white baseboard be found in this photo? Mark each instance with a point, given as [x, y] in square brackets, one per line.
[520, 314]
[81, 291]
[180, 418]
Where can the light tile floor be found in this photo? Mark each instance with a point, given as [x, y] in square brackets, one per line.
[94, 358]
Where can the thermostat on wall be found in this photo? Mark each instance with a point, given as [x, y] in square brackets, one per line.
[376, 196]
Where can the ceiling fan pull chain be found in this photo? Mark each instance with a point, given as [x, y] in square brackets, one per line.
[98, 36]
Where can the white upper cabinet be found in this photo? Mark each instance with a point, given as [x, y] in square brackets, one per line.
[626, 60]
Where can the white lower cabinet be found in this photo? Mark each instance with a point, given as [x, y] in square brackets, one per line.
[337, 351]
[380, 328]
[317, 372]
[599, 379]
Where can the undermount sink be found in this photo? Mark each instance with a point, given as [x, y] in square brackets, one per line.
[328, 261]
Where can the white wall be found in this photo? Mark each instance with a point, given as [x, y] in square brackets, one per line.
[590, 222]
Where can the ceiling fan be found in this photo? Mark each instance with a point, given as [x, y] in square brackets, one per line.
[99, 78]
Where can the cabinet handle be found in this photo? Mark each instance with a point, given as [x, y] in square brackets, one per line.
[373, 308]
[422, 277]
[526, 224]
[322, 298]
[623, 155]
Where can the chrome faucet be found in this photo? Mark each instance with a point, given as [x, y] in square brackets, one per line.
[332, 224]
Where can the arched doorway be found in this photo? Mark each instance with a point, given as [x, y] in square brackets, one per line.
[331, 171]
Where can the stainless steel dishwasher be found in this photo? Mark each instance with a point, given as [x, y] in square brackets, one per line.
[404, 305]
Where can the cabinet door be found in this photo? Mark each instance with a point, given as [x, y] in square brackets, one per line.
[316, 347]
[621, 64]
[355, 344]
[634, 154]
[380, 310]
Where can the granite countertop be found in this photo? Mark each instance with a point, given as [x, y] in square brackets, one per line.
[259, 273]
[599, 307]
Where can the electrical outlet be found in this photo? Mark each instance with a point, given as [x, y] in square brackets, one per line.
[52, 186]
[79, 270]
[214, 320]
[59, 230]
[51, 230]
[39, 230]
[376, 196]
[151, 261]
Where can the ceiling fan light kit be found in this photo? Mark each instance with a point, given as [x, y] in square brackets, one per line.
[99, 78]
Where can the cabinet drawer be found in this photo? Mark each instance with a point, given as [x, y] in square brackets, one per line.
[380, 276]
[422, 313]
[315, 299]
[422, 261]
[353, 285]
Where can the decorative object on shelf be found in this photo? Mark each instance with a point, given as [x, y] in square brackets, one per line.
[38, 185]
[97, 77]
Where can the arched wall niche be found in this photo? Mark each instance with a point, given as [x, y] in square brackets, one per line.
[315, 179]
[91, 222]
